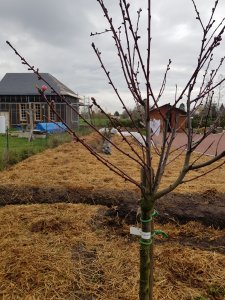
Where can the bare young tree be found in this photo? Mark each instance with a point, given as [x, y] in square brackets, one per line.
[152, 158]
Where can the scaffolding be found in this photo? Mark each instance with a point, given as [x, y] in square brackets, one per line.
[85, 108]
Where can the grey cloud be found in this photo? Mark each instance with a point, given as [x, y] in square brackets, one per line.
[55, 36]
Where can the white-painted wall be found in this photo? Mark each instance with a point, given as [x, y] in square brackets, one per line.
[6, 115]
[2, 124]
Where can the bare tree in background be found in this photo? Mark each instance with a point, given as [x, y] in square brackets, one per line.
[198, 90]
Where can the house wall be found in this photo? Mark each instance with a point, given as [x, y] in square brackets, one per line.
[12, 106]
[72, 118]
[177, 120]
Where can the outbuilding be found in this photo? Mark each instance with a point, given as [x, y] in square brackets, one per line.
[176, 117]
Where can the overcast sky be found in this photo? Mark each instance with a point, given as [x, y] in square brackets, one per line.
[54, 35]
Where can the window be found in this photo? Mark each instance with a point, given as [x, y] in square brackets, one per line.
[23, 112]
[51, 114]
[37, 112]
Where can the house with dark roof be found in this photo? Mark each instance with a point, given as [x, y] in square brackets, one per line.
[177, 118]
[19, 95]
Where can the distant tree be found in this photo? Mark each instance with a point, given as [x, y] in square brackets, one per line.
[222, 115]
[116, 114]
[182, 106]
[214, 111]
[222, 108]
[125, 113]
[220, 90]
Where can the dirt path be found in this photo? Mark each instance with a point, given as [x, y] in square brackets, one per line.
[217, 142]
[207, 208]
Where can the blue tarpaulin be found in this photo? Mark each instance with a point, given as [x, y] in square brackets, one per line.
[51, 127]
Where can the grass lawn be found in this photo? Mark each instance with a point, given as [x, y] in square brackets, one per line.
[17, 149]
[97, 122]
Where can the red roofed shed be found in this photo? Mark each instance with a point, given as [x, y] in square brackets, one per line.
[177, 117]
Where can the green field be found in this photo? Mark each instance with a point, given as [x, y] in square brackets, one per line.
[97, 122]
[14, 149]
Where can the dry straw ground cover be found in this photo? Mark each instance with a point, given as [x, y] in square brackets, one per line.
[72, 166]
[69, 251]
[72, 251]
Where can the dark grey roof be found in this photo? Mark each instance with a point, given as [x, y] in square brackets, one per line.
[25, 84]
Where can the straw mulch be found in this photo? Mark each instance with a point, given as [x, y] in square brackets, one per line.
[72, 166]
[69, 251]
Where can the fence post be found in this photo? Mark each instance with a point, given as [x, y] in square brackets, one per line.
[7, 139]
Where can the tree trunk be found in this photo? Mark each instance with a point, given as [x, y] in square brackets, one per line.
[146, 243]
[145, 265]
[146, 257]
[151, 276]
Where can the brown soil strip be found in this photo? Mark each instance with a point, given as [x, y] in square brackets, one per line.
[207, 208]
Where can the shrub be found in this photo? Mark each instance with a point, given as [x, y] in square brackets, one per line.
[9, 158]
[55, 140]
[128, 123]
